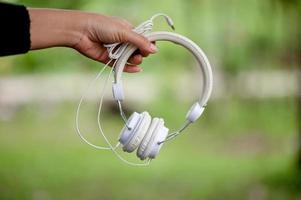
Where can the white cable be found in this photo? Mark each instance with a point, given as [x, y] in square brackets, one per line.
[98, 118]
[79, 106]
[116, 49]
[101, 130]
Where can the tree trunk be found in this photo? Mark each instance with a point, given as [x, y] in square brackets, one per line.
[299, 118]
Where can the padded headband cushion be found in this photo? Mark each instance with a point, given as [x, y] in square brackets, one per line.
[147, 137]
[138, 133]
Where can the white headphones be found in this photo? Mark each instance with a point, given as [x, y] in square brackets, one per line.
[141, 131]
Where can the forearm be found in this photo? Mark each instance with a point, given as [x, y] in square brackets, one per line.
[50, 27]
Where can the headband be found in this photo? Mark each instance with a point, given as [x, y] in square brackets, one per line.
[197, 52]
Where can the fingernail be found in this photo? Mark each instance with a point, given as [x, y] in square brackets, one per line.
[153, 48]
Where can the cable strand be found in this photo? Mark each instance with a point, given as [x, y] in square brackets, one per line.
[77, 124]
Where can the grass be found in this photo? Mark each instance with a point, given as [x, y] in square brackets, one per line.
[239, 150]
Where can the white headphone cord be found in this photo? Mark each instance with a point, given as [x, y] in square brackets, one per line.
[116, 49]
[79, 107]
[98, 119]
[102, 133]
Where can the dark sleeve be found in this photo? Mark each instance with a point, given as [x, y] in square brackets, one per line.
[14, 31]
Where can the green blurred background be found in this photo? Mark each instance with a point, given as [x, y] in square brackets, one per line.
[245, 146]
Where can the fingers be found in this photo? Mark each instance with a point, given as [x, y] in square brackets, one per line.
[143, 44]
[138, 40]
[135, 59]
[130, 68]
[103, 56]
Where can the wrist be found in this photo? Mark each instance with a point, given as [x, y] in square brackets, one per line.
[50, 28]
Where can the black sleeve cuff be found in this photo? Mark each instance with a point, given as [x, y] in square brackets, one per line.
[14, 31]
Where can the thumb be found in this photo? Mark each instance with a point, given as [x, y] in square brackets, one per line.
[143, 44]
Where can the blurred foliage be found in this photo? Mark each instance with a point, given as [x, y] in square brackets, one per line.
[237, 155]
[235, 34]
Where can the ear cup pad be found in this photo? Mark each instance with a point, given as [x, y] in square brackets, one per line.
[155, 147]
[148, 148]
[126, 134]
[147, 138]
[159, 134]
[138, 133]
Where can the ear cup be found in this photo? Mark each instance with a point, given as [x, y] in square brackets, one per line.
[148, 148]
[154, 146]
[147, 137]
[126, 134]
[138, 133]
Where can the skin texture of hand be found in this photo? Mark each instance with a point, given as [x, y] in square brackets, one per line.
[87, 33]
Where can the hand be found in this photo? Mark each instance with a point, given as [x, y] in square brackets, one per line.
[100, 30]
[87, 33]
